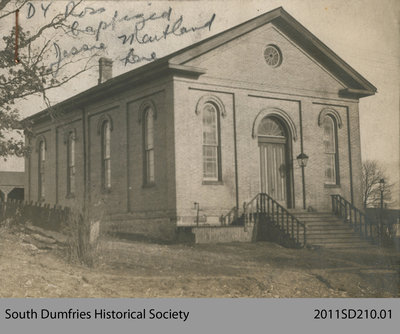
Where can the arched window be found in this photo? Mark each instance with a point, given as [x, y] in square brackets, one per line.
[330, 150]
[270, 128]
[211, 143]
[41, 168]
[71, 164]
[106, 154]
[149, 145]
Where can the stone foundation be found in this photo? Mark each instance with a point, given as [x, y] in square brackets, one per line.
[155, 228]
[221, 234]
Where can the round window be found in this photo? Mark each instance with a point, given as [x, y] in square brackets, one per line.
[273, 55]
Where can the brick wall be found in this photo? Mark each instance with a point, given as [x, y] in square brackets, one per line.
[128, 194]
[214, 199]
[250, 104]
[248, 89]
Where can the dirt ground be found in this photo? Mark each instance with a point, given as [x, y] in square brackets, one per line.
[128, 268]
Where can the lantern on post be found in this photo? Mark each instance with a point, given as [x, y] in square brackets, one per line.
[302, 160]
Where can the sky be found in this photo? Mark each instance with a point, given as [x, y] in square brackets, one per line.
[364, 33]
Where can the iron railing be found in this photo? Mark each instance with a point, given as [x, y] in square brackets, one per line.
[368, 229]
[230, 217]
[264, 208]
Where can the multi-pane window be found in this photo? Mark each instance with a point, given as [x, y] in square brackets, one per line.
[271, 128]
[149, 145]
[211, 145]
[106, 155]
[42, 159]
[330, 150]
[71, 164]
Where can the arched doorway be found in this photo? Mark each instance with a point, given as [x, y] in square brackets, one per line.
[275, 172]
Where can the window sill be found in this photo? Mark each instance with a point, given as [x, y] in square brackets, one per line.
[331, 185]
[216, 183]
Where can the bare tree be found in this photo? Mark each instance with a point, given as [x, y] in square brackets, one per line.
[372, 174]
[28, 74]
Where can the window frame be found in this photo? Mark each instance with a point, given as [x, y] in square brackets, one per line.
[218, 178]
[106, 160]
[148, 152]
[335, 153]
[41, 169]
[71, 164]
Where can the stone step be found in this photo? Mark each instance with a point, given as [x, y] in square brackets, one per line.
[331, 239]
[322, 216]
[326, 230]
[343, 245]
[310, 214]
[328, 227]
[311, 219]
[321, 220]
[332, 235]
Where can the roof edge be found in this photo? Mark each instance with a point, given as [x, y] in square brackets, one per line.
[118, 82]
[328, 51]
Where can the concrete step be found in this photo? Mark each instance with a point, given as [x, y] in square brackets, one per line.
[310, 214]
[340, 239]
[328, 225]
[343, 245]
[332, 231]
[332, 235]
[326, 230]
[322, 216]
[320, 219]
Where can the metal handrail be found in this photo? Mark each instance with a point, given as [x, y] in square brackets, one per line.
[262, 205]
[230, 217]
[369, 230]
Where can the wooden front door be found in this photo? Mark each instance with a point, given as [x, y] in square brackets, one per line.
[274, 171]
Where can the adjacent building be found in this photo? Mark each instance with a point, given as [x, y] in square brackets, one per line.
[12, 186]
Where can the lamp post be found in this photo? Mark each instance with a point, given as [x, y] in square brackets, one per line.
[381, 189]
[196, 206]
[302, 160]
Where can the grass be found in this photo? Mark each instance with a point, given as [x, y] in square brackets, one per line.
[139, 268]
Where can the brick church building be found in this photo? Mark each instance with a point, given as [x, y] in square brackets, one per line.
[186, 138]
